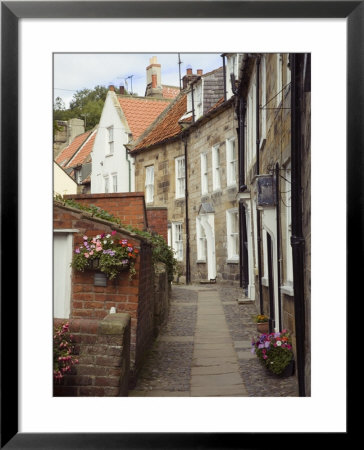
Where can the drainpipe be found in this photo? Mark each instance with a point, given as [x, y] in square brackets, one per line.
[188, 266]
[259, 233]
[129, 164]
[278, 222]
[193, 104]
[297, 239]
[224, 72]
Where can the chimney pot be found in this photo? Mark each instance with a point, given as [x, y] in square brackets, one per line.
[122, 90]
[199, 72]
[189, 71]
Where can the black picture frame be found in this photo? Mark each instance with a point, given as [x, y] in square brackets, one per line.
[11, 12]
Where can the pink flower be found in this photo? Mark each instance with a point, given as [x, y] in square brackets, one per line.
[113, 233]
[98, 248]
[91, 252]
[86, 255]
[85, 238]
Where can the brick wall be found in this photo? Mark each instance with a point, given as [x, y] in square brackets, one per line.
[129, 207]
[134, 297]
[161, 297]
[103, 349]
[158, 220]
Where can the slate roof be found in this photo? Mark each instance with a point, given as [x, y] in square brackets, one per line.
[67, 153]
[165, 127]
[140, 112]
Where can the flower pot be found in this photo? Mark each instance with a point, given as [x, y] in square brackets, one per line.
[263, 327]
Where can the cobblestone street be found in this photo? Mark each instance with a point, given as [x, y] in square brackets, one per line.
[204, 349]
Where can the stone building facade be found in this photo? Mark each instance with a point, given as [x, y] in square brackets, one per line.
[274, 194]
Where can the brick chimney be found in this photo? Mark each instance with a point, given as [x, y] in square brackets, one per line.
[189, 77]
[154, 79]
[122, 90]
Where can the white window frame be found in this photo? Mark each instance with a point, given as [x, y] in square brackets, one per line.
[149, 184]
[110, 140]
[288, 283]
[106, 184]
[216, 172]
[180, 178]
[201, 241]
[232, 237]
[177, 240]
[204, 174]
[279, 66]
[231, 163]
[114, 176]
[251, 124]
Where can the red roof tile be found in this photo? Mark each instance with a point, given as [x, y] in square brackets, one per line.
[141, 112]
[83, 154]
[167, 127]
[68, 152]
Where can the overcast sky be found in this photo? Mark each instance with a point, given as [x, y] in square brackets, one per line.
[75, 71]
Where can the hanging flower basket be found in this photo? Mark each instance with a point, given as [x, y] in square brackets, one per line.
[275, 352]
[106, 254]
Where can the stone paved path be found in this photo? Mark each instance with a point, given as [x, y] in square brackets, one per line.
[204, 350]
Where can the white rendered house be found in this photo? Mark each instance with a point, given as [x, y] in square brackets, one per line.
[112, 166]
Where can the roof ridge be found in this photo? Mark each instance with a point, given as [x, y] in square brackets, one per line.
[158, 120]
[71, 157]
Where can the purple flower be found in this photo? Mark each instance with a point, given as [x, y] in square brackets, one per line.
[77, 250]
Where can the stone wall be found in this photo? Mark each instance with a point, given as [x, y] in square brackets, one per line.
[162, 291]
[103, 351]
[201, 139]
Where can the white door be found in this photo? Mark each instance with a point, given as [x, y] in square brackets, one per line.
[62, 257]
[208, 224]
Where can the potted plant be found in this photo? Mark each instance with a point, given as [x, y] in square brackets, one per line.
[275, 351]
[262, 322]
[106, 254]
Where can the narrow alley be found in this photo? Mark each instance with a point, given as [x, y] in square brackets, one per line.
[204, 349]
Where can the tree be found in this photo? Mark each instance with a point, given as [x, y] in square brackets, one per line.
[86, 104]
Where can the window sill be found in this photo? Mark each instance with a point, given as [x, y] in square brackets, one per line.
[201, 261]
[265, 281]
[232, 261]
[287, 289]
[109, 154]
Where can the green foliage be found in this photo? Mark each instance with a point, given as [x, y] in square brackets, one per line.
[63, 352]
[86, 104]
[161, 252]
